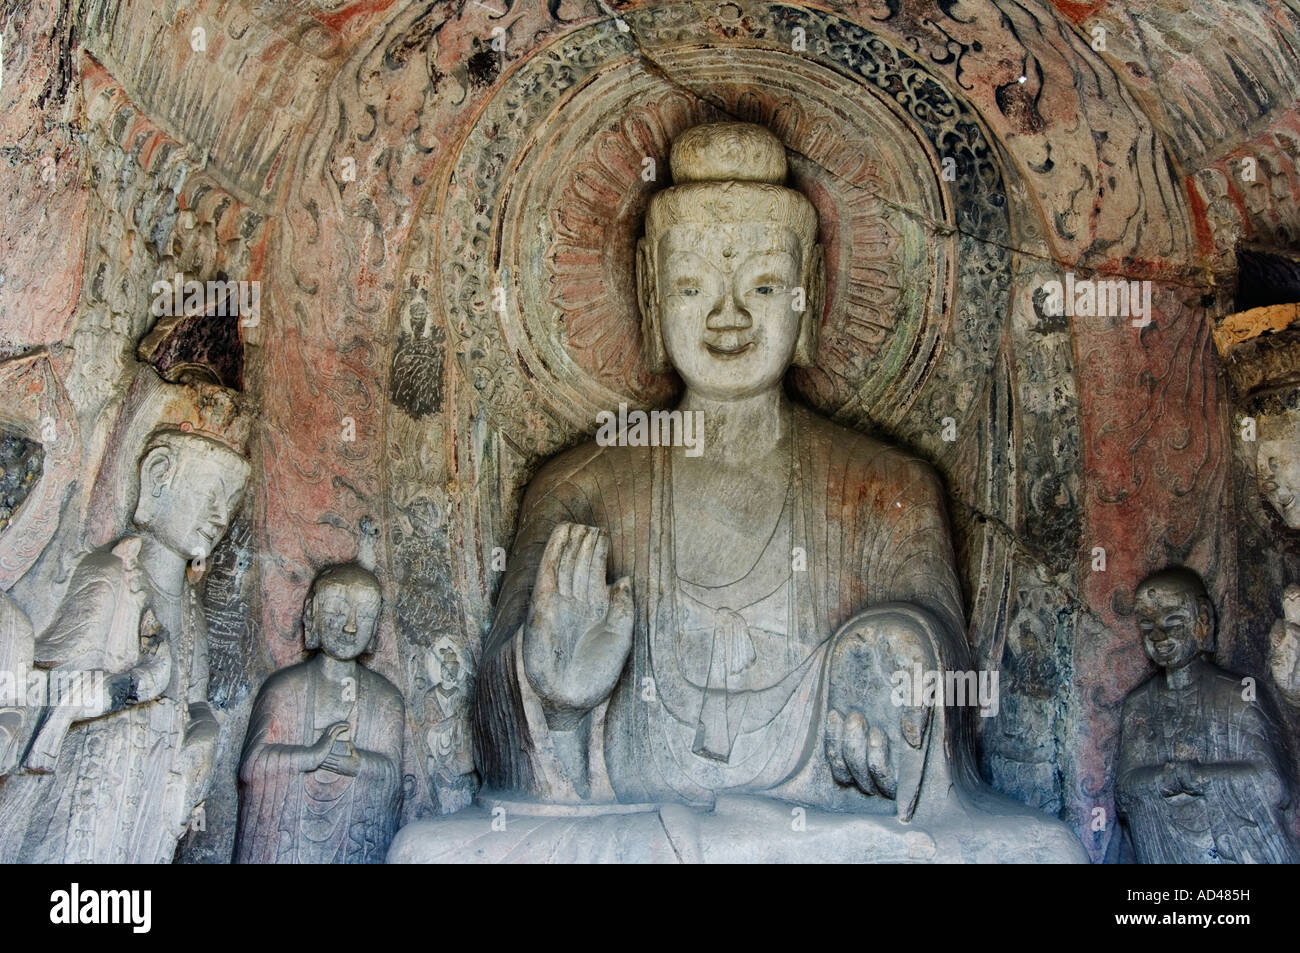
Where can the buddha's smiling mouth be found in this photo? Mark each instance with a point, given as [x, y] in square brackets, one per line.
[727, 353]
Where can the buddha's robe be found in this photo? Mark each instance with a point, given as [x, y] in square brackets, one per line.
[17, 653]
[1236, 819]
[712, 700]
[291, 816]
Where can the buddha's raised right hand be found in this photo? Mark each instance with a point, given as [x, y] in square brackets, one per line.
[579, 630]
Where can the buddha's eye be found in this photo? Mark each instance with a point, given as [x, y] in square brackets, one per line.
[764, 290]
[688, 292]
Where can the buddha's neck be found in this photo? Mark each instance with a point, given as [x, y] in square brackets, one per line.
[336, 669]
[746, 426]
[166, 567]
[1180, 677]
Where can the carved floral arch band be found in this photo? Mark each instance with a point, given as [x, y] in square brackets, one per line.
[538, 287]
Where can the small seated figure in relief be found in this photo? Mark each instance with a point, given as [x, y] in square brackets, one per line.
[1201, 776]
[320, 777]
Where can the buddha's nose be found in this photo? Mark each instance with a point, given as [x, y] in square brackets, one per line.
[728, 316]
[350, 627]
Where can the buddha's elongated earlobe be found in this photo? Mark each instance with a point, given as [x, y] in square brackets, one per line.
[1206, 623]
[805, 348]
[656, 355]
[310, 637]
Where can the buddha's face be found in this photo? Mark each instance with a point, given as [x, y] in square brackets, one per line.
[1174, 623]
[1278, 472]
[728, 295]
[190, 488]
[344, 615]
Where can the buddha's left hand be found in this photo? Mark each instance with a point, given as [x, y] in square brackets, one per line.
[858, 750]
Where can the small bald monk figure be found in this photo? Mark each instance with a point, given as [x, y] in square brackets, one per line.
[320, 777]
[1200, 777]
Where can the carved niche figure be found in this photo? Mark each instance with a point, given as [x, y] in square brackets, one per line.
[1200, 777]
[1277, 470]
[320, 777]
[725, 667]
[441, 683]
[1284, 647]
[130, 764]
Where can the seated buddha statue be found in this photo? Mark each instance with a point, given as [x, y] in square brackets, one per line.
[691, 652]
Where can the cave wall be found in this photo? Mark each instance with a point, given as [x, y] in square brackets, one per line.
[352, 158]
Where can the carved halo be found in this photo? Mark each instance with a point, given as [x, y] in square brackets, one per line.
[535, 252]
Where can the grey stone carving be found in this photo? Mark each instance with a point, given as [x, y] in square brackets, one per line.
[1277, 472]
[1284, 647]
[1277, 467]
[17, 654]
[121, 754]
[736, 692]
[1200, 776]
[320, 776]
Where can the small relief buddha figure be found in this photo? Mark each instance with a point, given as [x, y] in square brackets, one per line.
[320, 776]
[671, 666]
[1201, 776]
[441, 688]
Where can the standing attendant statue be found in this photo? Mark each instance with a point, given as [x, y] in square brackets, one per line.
[1201, 777]
[116, 777]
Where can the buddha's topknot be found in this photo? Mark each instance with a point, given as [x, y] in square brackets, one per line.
[728, 151]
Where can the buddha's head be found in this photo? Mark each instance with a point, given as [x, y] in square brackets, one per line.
[1277, 464]
[341, 615]
[190, 488]
[1175, 617]
[729, 275]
